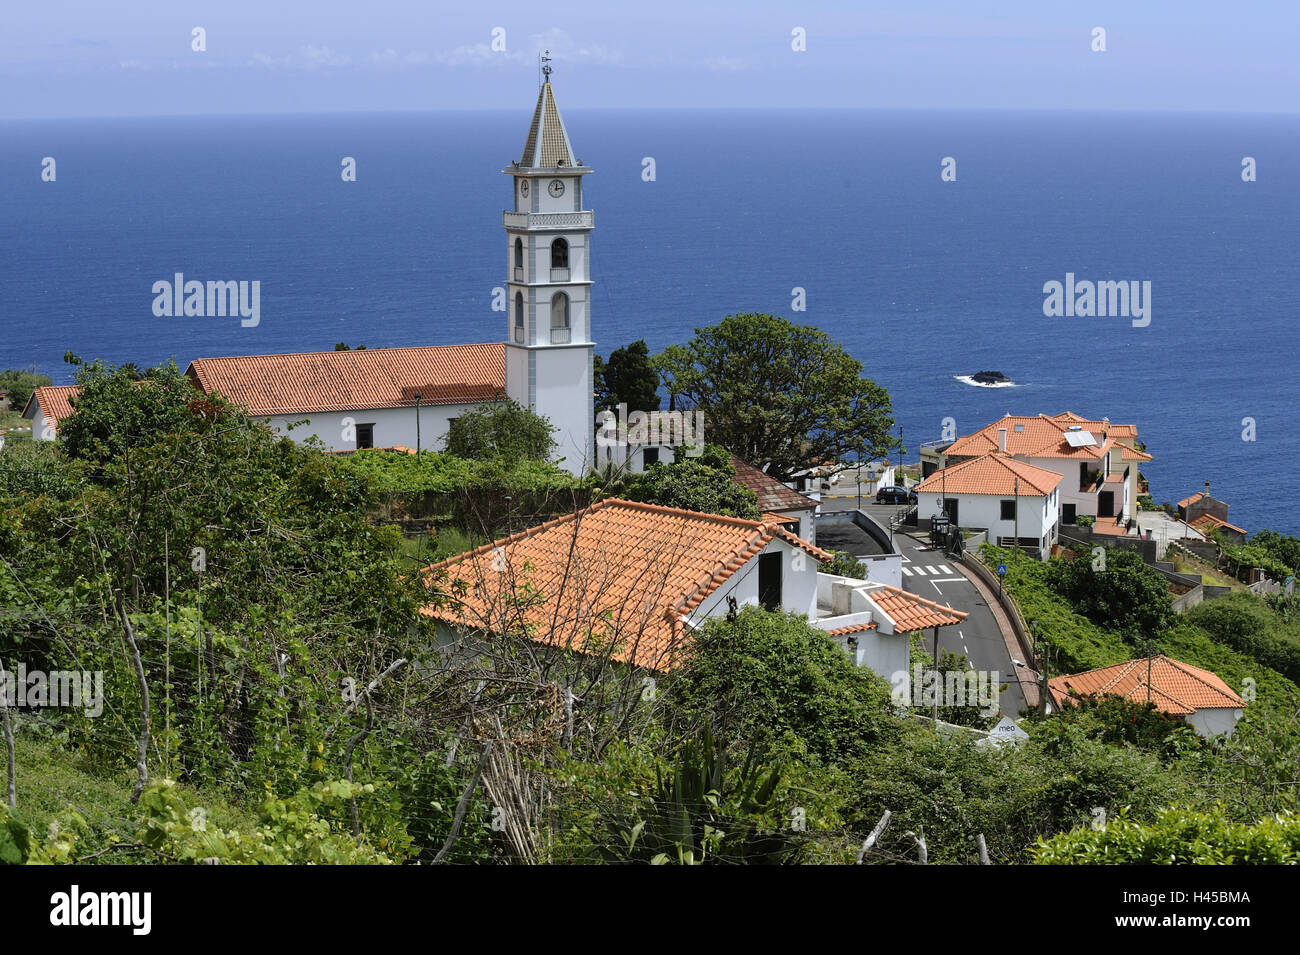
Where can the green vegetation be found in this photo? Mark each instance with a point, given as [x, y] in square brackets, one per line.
[502, 431]
[845, 564]
[1114, 587]
[703, 483]
[19, 385]
[1177, 837]
[627, 377]
[760, 379]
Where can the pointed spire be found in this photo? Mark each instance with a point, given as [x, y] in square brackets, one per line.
[548, 141]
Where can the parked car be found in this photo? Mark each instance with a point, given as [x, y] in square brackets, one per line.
[893, 494]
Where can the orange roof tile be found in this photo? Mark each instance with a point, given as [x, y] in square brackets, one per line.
[618, 571]
[1133, 454]
[1176, 687]
[356, 380]
[1188, 501]
[992, 473]
[911, 612]
[772, 494]
[1209, 521]
[55, 401]
[855, 628]
[1041, 436]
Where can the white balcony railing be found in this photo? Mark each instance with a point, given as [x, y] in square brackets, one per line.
[519, 274]
[548, 220]
[559, 275]
[560, 336]
[519, 334]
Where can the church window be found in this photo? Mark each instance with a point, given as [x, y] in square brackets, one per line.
[559, 254]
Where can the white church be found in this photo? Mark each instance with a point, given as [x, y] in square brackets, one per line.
[407, 397]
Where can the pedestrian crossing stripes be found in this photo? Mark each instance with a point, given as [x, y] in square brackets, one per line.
[927, 569]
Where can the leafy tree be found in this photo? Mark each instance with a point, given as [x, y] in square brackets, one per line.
[846, 565]
[704, 483]
[344, 346]
[1116, 719]
[501, 430]
[775, 680]
[19, 385]
[780, 396]
[117, 411]
[1246, 623]
[1125, 593]
[628, 377]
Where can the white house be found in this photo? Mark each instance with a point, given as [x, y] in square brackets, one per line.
[1207, 703]
[47, 406]
[384, 397]
[1098, 461]
[634, 581]
[1017, 502]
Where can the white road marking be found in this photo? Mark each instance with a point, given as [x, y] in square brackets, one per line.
[945, 580]
[945, 568]
[906, 572]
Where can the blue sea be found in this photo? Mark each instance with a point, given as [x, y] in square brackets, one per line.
[920, 279]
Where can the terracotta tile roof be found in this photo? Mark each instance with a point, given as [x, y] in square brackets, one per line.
[912, 612]
[772, 494]
[356, 380]
[1188, 501]
[1041, 436]
[55, 401]
[1208, 522]
[1133, 454]
[855, 628]
[618, 570]
[992, 473]
[1176, 687]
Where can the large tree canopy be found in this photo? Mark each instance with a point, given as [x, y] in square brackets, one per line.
[779, 395]
[628, 377]
[504, 429]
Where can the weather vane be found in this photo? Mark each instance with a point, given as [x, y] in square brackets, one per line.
[544, 59]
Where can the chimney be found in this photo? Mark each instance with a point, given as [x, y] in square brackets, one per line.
[1207, 488]
[1002, 440]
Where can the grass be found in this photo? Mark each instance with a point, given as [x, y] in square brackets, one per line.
[1208, 574]
[446, 542]
[51, 780]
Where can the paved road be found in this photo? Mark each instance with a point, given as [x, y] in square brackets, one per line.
[929, 573]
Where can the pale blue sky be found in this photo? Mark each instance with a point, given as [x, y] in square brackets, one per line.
[102, 58]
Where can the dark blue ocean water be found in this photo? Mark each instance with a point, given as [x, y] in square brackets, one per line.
[920, 279]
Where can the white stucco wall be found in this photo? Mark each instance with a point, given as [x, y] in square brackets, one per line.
[798, 584]
[392, 426]
[1213, 722]
[1038, 514]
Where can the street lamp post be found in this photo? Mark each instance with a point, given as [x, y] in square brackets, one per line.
[418, 397]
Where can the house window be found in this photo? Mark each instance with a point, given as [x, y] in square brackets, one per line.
[650, 456]
[560, 254]
[519, 253]
[519, 316]
[365, 436]
[1069, 513]
[1009, 510]
[769, 580]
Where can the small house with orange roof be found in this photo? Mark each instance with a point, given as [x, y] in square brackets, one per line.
[633, 581]
[1208, 704]
[1016, 502]
[1098, 462]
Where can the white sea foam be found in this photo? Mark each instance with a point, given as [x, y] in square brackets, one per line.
[970, 380]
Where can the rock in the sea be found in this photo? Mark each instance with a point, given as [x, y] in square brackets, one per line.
[989, 377]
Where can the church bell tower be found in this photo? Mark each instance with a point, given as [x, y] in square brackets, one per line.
[548, 279]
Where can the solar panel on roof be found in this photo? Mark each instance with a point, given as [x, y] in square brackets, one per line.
[1080, 439]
